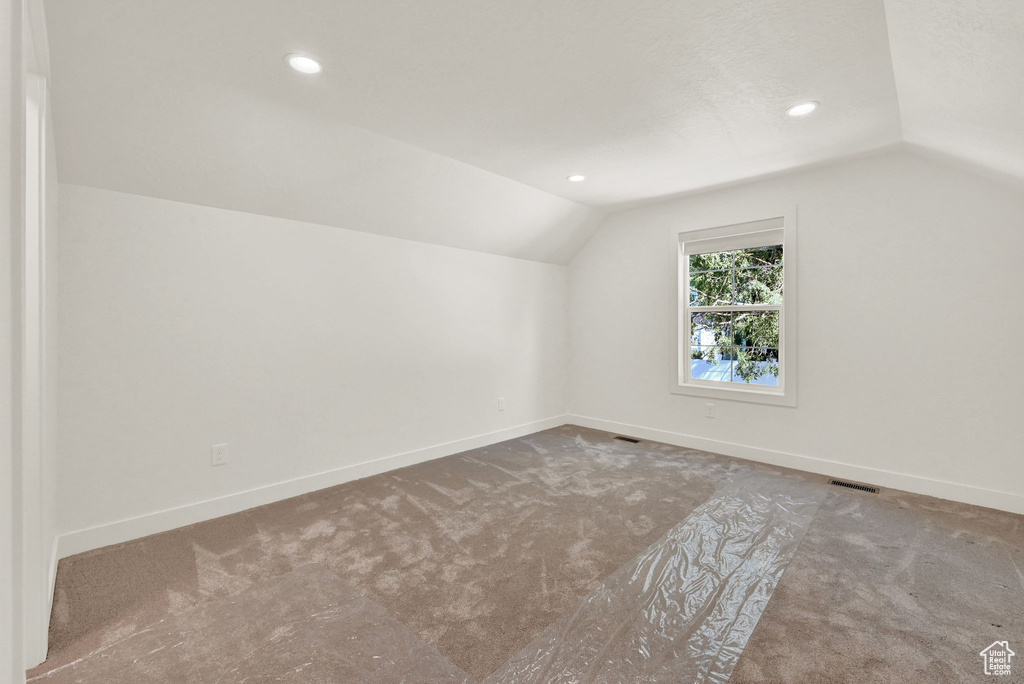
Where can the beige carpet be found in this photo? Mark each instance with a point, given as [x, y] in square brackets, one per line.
[463, 563]
[894, 587]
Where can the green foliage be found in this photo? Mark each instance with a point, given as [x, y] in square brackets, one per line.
[743, 276]
[753, 363]
[748, 276]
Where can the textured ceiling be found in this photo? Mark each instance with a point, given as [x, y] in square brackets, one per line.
[959, 67]
[457, 123]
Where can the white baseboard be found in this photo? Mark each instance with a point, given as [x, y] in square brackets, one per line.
[37, 597]
[978, 496]
[37, 653]
[71, 543]
[52, 577]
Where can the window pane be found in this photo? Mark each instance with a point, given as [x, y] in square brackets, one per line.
[708, 363]
[711, 288]
[743, 276]
[758, 256]
[756, 366]
[755, 328]
[710, 262]
[761, 285]
[710, 328]
[736, 348]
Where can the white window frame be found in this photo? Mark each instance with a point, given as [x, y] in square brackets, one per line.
[776, 228]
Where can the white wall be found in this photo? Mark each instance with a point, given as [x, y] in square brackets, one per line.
[38, 359]
[11, 194]
[12, 72]
[46, 565]
[305, 348]
[896, 252]
[51, 355]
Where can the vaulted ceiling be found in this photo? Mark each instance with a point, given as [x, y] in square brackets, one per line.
[458, 122]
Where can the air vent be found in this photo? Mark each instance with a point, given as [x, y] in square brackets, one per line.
[851, 485]
[627, 439]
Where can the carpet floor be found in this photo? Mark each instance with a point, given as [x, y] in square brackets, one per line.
[565, 555]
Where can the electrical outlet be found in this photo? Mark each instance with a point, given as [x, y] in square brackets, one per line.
[709, 410]
[218, 454]
[501, 403]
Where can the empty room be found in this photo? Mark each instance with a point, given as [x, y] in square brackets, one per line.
[497, 342]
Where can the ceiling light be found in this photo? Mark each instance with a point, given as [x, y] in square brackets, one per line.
[303, 64]
[576, 178]
[802, 109]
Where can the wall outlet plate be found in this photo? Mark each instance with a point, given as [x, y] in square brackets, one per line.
[218, 454]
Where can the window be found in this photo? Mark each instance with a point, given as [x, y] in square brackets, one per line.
[737, 312]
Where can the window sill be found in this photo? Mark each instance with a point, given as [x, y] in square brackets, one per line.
[770, 397]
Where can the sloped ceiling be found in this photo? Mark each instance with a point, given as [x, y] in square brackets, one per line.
[457, 122]
[959, 67]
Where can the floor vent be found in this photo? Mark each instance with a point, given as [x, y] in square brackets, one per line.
[863, 488]
[627, 439]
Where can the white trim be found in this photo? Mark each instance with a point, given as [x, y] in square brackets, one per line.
[754, 237]
[12, 179]
[769, 222]
[39, 54]
[52, 576]
[918, 484]
[78, 541]
[36, 600]
[735, 307]
[696, 388]
[732, 226]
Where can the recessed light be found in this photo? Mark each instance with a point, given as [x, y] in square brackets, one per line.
[576, 178]
[304, 64]
[802, 109]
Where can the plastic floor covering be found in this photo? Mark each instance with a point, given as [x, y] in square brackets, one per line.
[681, 611]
